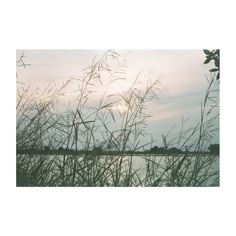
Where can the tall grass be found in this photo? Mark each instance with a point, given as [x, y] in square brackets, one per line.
[115, 123]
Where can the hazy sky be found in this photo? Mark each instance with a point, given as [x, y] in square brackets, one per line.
[181, 72]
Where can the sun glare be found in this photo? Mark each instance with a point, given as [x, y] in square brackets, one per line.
[121, 108]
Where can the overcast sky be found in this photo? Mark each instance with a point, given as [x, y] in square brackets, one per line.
[181, 72]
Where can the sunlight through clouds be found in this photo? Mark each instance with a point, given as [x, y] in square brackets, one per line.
[181, 73]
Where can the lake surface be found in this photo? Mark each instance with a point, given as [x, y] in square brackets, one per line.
[207, 165]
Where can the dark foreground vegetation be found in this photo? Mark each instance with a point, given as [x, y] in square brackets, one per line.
[96, 143]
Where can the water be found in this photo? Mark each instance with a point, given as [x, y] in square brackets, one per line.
[152, 165]
[206, 165]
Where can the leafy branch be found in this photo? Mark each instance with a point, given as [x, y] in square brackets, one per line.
[213, 55]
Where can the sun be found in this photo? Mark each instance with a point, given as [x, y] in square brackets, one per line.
[121, 108]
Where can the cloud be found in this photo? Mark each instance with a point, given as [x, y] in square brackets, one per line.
[181, 72]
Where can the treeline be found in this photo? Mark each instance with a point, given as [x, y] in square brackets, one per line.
[171, 150]
[213, 148]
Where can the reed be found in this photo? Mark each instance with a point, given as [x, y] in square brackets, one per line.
[115, 124]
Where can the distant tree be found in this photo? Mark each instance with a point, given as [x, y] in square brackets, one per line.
[174, 150]
[215, 56]
[154, 149]
[214, 148]
[46, 148]
[162, 150]
[97, 149]
[61, 149]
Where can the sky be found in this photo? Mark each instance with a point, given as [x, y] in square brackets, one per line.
[181, 73]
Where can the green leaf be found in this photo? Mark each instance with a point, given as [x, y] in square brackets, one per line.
[207, 60]
[217, 62]
[214, 70]
[207, 52]
[217, 52]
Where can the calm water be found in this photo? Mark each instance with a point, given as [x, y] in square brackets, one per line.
[140, 163]
[159, 163]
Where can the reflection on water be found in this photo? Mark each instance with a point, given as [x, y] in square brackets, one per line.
[139, 170]
[204, 163]
[139, 162]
